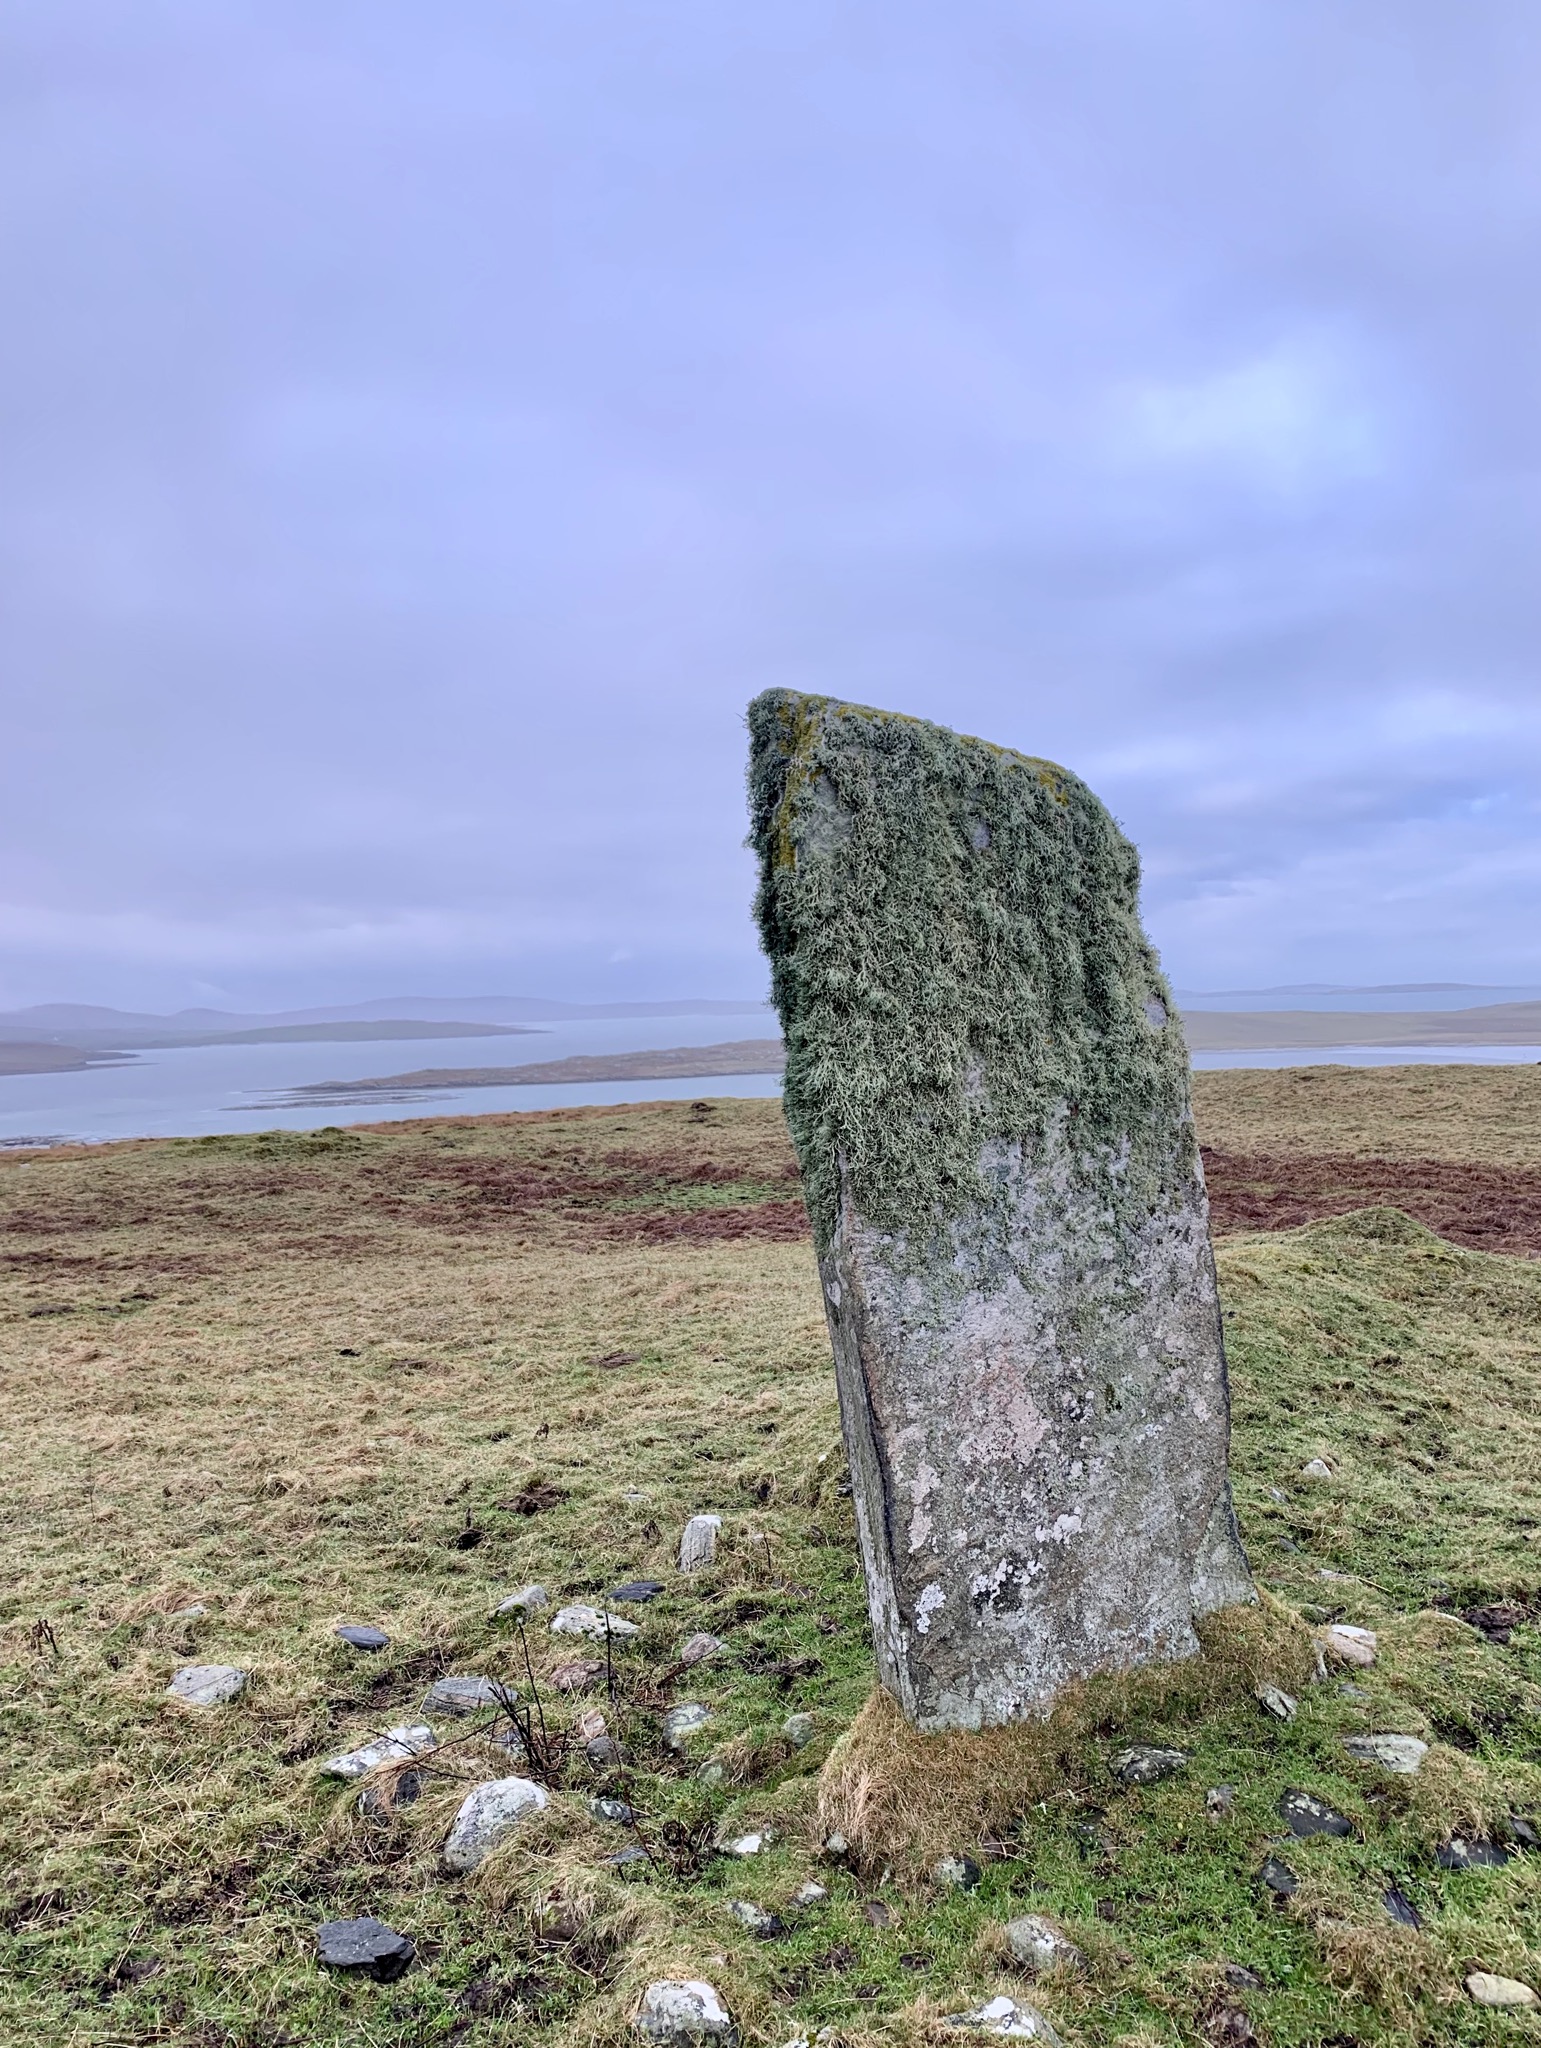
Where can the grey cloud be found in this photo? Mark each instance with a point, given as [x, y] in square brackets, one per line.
[425, 430]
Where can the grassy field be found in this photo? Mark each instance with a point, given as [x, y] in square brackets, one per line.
[390, 1375]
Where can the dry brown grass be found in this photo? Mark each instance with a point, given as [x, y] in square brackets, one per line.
[1485, 1115]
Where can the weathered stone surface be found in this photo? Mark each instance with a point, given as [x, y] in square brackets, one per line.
[525, 1601]
[1273, 1700]
[465, 1695]
[1349, 1645]
[487, 1816]
[1402, 1754]
[366, 1945]
[1279, 1878]
[579, 1620]
[1147, 1765]
[759, 1920]
[363, 1636]
[394, 1746]
[1039, 1945]
[684, 1721]
[1503, 1994]
[679, 2012]
[698, 1543]
[206, 1685]
[956, 1873]
[1004, 2016]
[989, 1099]
[799, 1729]
[700, 1647]
[1473, 1852]
[1305, 1815]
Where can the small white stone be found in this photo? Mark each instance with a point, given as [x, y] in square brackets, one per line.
[810, 1893]
[1040, 1945]
[206, 1685]
[1281, 1705]
[1318, 1468]
[1005, 2017]
[698, 1544]
[682, 1722]
[487, 1816]
[747, 1845]
[195, 1612]
[525, 1601]
[391, 1747]
[678, 2012]
[1355, 1646]
[1505, 1994]
[798, 1729]
[579, 1620]
[1399, 1753]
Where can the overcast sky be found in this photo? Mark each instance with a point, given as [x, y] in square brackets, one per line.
[422, 429]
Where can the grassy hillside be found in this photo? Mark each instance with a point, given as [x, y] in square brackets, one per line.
[391, 1375]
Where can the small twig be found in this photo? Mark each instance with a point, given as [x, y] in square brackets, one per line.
[609, 1666]
[43, 1638]
[529, 1671]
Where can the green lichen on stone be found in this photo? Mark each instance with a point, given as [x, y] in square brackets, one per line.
[957, 958]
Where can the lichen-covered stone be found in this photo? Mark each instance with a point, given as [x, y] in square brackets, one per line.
[988, 1094]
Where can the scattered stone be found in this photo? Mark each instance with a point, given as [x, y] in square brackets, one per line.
[632, 1861]
[579, 1620]
[1279, 1878]
[956, 1874]
[577, 1676]
[1318, 1468]
[1005, 2017]
[394, 1746]
[1218, 1800]
[799, 1729]
[1350, 1691]
[381, 1797]
[591, 1724]
[1526, 1834]
[636, 1591]
[506, 1735]
[487, 1816]
[809, 1893]
[604, 1753]
[1147, 1765]
[612, 1809]
[1503, 1994]
[525, 1601]
[747, 1845]
[360, 1636]
[1350, 1645]
[679, 2012]
[836, 1847]
[1340, 1578]
[1306, 1815]
[684, 1721]
[1400, 1907]
[700, 1647]
[367, 1945]
[1401, 1754]
[206, 1685]
[466, 1695]
[1240, 1978]
[1039, 1945]
[761, 1923]
[1276, 1493]
[984, 1261]
[195, 1612]
[712, 1774]
[876, 1914]
[1281, 1705]
[698, 1542]
[1471, 1852]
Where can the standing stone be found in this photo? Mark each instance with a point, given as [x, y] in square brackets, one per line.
[698, 1544]
[989, 1099]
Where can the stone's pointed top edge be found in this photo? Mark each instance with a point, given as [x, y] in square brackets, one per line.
[808, 706]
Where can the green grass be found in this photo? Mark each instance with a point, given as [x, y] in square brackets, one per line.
[213, 1440]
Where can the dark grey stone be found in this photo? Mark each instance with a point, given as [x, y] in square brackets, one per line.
[367, 1945]
[612, 1809]
[1240, 1978]
[1306, 1815]
[957, 1874]
[1279, 1878]
[1401, 1908]
[465, 1695]
[630, 1862]
[362, 1637]
[1147, 1765]
[999, 1159]
[1473, 1852]
[638, 1590]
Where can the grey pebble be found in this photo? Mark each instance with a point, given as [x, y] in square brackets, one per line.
[366, 1944]
[1146, 1764]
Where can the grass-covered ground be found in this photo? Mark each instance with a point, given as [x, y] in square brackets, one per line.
[389, 1376]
